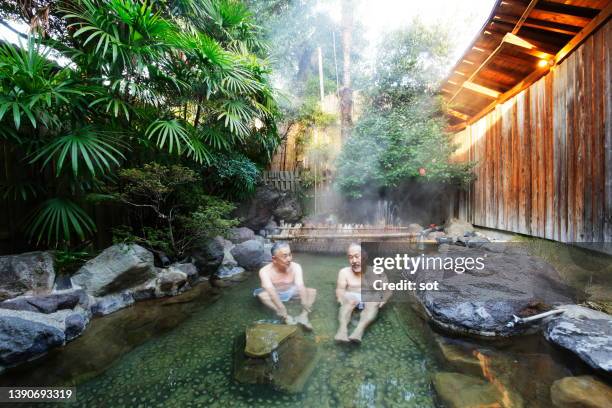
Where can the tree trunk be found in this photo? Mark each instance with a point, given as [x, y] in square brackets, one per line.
[346, 93]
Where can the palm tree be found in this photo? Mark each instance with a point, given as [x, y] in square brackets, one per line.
[184, 79]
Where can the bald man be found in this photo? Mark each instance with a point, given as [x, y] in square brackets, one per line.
[283, 280]
[348, 295]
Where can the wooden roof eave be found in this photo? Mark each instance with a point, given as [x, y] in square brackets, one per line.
[514, 40]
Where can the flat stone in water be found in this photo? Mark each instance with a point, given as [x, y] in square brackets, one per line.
[263, 338]
[286, 369]
[585, 332]
[463, 391]
[584, 391]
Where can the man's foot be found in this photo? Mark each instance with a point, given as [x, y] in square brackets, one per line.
[290, 320]
[304, 322]
[341, 336]
[356, 336]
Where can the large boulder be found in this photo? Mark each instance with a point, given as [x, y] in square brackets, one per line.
[117, 268]
[269, 202]
[240, 234]
[289, 208]
[249, 254]
[583, 392]
[26, 335]
[208, 258]
[585, 332]
[256, 212]
[482, 302]
[28, 273]
[458, 228]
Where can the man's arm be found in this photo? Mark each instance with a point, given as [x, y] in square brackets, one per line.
[341, 285]
[268, 286]
[298, 281]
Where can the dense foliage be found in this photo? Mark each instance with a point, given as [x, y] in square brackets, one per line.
[400, 135]
[183, 217]
[105, 84]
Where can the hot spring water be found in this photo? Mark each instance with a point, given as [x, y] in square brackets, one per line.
[164, 353]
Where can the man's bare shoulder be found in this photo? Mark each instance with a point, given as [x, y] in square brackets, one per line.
[296, 266]
[344, 271]
[265, 269]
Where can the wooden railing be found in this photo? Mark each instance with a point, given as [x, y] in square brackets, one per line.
[341, 231]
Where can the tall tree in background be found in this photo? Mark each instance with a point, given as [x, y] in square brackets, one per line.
[400, 135]
[346, 94]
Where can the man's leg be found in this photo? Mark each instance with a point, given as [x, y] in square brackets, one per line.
[311, 295]
[367, 316]
[344, 316]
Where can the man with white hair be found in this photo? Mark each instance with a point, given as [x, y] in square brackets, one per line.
[282, 280]
[348, 294]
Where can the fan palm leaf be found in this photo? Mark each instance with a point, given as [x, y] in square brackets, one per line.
[96, 150]
[58, 220]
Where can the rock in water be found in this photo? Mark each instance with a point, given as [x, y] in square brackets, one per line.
[249, 254]
[117, 268]
[263, 338]
[464, 391]
[29, 273]
[188, 269]
[286, 369]
[22, 339]
[482, 302]
[65, 299]
[583, 392]
[111, 303]
[585, 332]
[171, 281]
[25, 335]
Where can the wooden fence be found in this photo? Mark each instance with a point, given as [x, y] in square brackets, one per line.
[544, 158]
[282, 180]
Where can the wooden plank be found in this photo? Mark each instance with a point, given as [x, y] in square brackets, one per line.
[516, 159]
[587, 135]
[579, 145]
[524, 179]
[541, 157]
[559, 130]
[608, 135]
[548, 127]
[598, 160]
[534, 158]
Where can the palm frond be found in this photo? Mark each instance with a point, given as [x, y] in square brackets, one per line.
[58, 220]
[97, 151]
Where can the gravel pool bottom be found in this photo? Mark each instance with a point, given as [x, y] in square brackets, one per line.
[173, 353]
